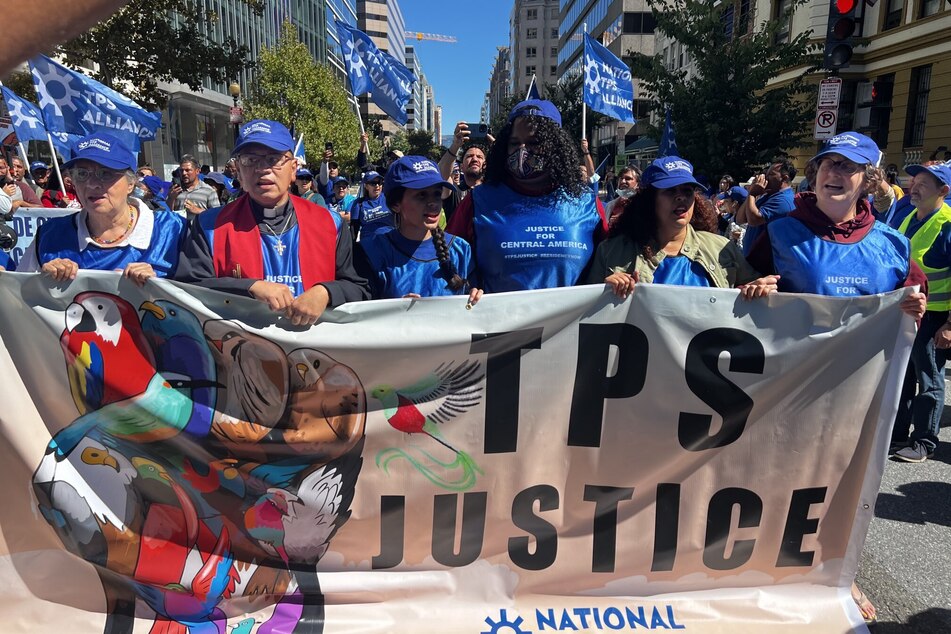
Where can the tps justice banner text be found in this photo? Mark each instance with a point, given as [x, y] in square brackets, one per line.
[548, 461]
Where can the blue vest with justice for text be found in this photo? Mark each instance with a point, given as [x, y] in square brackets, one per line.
[878, 263]
[530, 242]
[58, 239]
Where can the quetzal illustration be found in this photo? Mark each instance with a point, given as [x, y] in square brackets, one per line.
[107, 356]
[421, 408]
[178, 343]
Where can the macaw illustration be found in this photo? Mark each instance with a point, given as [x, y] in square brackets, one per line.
[206, 464]
[421, 408]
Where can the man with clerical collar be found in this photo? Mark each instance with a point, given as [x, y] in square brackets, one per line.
[280, 249]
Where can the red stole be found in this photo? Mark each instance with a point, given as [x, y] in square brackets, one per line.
[238, 251]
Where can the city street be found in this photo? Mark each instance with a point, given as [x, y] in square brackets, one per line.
[906, 566]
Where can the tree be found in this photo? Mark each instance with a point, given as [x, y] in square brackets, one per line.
[140, 45]
[307, 97]
[727, 118]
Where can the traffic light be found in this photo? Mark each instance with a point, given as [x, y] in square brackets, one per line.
[882, 93]
[842, 26]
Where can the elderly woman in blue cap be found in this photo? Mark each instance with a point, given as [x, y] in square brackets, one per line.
[113, 230]
[666, 234]
[417, 259]
[534, 222]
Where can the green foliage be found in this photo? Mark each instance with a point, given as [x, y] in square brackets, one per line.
[21, 83]
[306, 97]
[501, 118]
[726, 118]
[145, 42]
[421, 143]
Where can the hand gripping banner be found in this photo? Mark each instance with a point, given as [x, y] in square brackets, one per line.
[177, 460]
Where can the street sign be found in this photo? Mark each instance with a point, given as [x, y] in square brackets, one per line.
[827, 108]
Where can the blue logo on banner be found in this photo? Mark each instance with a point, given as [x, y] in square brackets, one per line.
[26, 117]
[73, 103]
[370, 70]
[608, 85]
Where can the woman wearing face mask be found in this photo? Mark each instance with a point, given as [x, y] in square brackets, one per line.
[534, 222]
[666, 235]
[418, 259]
[626, 186]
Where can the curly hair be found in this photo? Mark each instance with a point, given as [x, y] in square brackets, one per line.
[638, 219]
[562, 158]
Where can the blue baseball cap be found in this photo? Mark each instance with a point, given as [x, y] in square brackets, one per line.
[371, 175]
[157, 186]
[340, 179]
[38, 165]
[941, 171]
[537, 108]
[854, 146]
[413, 172]
[304, 173]
[104, 149]
[669, 171]
[270, 134]
[737, 193]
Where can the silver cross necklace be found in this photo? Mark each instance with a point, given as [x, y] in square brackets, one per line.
[279, 247]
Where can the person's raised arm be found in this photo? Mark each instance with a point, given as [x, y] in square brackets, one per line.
[459, 136]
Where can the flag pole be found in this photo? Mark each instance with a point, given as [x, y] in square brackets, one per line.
[584, 107]
[55, 162]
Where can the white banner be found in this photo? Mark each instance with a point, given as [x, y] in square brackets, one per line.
[27, 222]
[548, 461]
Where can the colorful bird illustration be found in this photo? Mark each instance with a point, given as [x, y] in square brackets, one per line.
[161, 412]
[435, 399]
[107, 356]
[178, 343]
[243, 626]
[264, 521]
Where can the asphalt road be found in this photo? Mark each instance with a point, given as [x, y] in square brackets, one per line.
[906, 566]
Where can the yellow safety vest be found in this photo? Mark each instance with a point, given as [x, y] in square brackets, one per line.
[939, 280]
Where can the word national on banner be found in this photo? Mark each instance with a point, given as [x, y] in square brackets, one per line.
[181, 460]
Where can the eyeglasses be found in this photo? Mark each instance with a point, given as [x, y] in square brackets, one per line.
[256, 161]
[101, 174]
[845, 166]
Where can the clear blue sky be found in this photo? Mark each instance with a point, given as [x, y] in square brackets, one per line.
[459, 73]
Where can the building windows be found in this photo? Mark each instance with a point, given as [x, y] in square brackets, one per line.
[531, 14]
[531, 51]
[553, 69]
[554, 52]
[639, 23]
[929, 7]
[783, 16]
[554, 33]
[894, 13]
[529, 71]
[917, 106]
[531, 34]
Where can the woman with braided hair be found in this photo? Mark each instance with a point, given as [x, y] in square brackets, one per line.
[419, 259]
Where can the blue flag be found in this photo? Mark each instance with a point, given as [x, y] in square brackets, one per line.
[27, 120]
[73, 103]
[389, 82]
[608, 85]
[668, 142]
[532, 92]
[299, 153]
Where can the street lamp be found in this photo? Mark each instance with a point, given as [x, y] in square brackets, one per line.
[237, 113]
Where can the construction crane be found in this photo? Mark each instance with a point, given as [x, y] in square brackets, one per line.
[416, 35]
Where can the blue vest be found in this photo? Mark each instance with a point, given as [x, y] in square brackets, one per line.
[530, 242]
[281, 262]
[878, 263]
[59, 239]
[405, 266]
[372, 216]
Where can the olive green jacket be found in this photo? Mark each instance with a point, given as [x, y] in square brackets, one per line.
[721, 259]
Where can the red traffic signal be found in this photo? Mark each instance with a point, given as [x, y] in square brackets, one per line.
[839, 31]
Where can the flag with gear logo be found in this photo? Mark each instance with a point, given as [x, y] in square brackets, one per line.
[73, 103]
[608, 85]
[29, 126]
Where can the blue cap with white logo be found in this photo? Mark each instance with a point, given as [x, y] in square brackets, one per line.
[38, 165]
[371, 175]
[854, 146]
[270, 134]
[941, 171]
[536, 108]
[413, 172]
[669, 171]
[104, 149]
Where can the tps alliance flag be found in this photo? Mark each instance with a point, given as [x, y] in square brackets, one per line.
[28, 123]
[389, 82]
[76, 104]
[608, 85]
